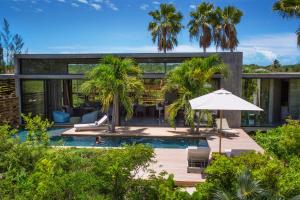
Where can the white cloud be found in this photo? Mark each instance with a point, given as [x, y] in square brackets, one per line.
[95, 6]
[263, 49]
[15, 8]
[156, 2]
[61, 1]
[144, 6]
[111, 5]
[75, 5]
[39, 10]
[83, 1]
[193, 7]
[259, 49]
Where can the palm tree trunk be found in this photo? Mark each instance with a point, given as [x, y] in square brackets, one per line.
[115, 113]
[204, 49]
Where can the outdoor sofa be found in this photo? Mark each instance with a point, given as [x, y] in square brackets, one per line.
[198, 158]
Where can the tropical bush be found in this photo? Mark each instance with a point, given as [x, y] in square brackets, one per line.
[29, 170]
[266, 177]
[117, 82]
[272, 175]
[37, 128]
[283, 141]
[189, 80]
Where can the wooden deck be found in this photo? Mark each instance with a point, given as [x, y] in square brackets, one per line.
[174, 161]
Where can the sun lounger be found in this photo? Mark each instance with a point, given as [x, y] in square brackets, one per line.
[225, 127]
[98, 125]
[236, 152]
[197, 158]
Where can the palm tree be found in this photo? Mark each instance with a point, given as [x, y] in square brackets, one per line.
[247, 188]
[289, 8]
[224, 30]
[165, 26]
[231, 17]
[219, 35]
[115, 81]
[189, 80]
[199, 26]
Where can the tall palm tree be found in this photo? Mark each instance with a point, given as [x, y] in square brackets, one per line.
[231, 16]
[289, 8]
[115, 81]
[165, 27]
[200, 24]
[219, 36]
[189, 80]
[224, 30]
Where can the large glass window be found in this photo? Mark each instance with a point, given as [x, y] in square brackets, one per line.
[257, 92]
[43, 66]
[33, 92]
[77, 95]
[157, 67]
[79, 68]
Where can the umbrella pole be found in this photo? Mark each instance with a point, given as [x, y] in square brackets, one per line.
[220, 134]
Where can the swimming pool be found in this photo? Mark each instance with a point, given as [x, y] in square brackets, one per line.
[117, 141]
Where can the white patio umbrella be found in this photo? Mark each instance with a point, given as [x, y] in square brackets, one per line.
[222, 100]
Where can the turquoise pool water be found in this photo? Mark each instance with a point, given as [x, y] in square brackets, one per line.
[117, 141]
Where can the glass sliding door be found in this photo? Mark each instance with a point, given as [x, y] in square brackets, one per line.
[33, 97]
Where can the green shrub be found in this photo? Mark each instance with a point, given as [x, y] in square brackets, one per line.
[273, 175]
[37, 129]
[283, 141]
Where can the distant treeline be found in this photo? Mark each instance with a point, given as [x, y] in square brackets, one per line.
[252, 68]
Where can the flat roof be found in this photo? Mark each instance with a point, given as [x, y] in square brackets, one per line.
[135, 55]
[275, 75]
[281, 75]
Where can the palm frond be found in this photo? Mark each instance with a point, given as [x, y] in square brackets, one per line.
[222, 195]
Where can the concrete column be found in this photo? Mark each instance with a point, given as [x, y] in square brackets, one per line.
[233, 83]
[271, 101]
[18, 86]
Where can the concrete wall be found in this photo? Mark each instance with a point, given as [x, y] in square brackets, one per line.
[233, 83]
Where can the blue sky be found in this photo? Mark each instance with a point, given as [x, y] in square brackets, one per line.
[97, 26]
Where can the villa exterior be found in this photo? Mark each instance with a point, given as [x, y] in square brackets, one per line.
[49, 82]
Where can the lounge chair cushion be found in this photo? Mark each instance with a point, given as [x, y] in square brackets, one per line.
[89, 117]
[60, 117]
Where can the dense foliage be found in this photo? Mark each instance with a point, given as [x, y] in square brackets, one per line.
[272, 175]
[283, 142]
[264, 174]
[189, 80]
[115, 82]
[275, 67]
[34, 170]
